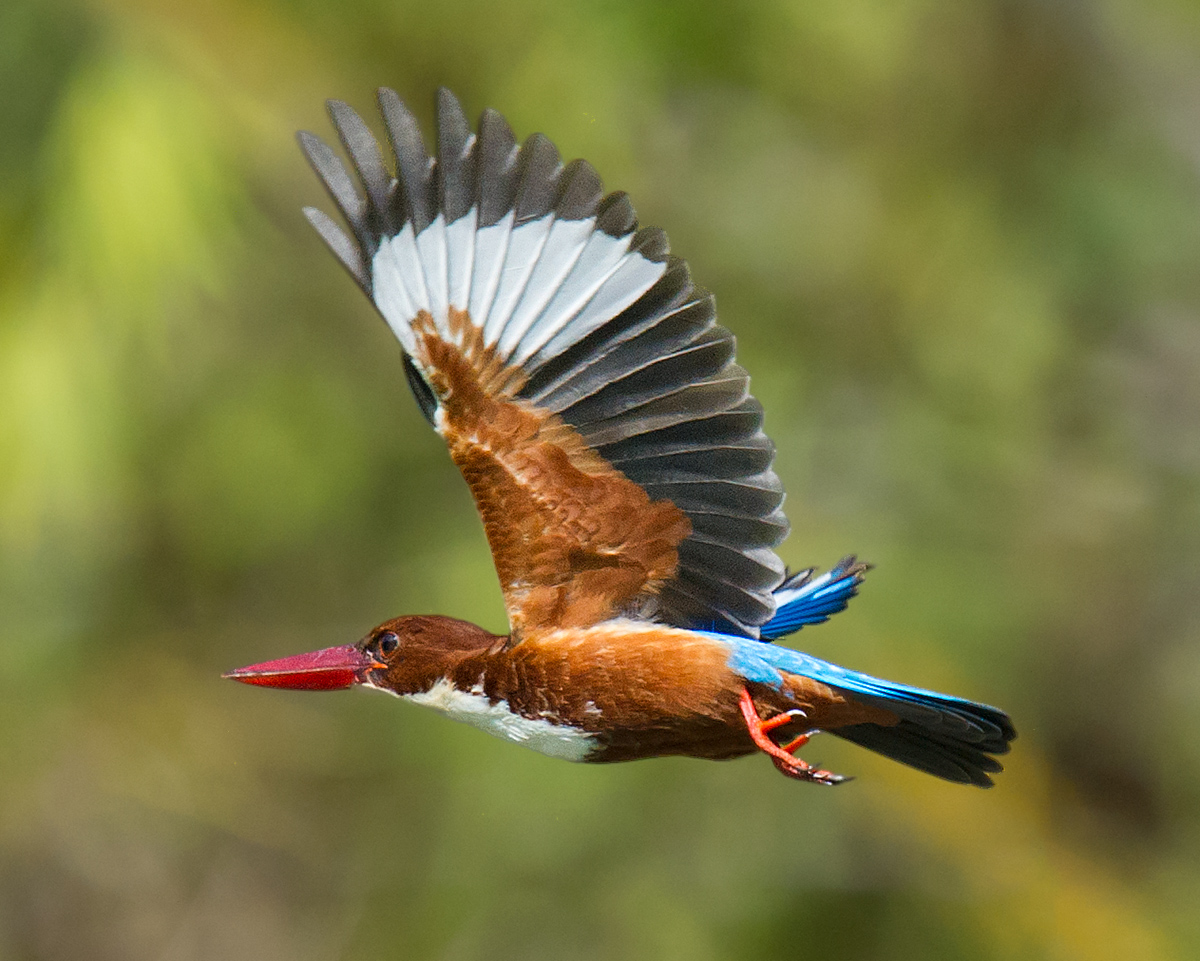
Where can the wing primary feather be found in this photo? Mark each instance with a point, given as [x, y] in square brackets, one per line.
[576, 323]
[422, 259]
[363, 151]
[651, 243]
[580, 191]
[615, 215]
[675, 408]
[455, 171]
[345, 249]
[341, 189]
[496, 150]
[717, 429]
[658, 377]
[745, 453]
[733, 602]
[768, 531]
[665, 314]
[675, 332]
[691, 606]
[754, 496]
[715, 462]
[496, 183]
[552, 294]
[413, 165]
[539, 167]
[538, 316]
[732, 565]
[455, 187]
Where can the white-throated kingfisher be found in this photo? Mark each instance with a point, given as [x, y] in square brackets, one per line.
[593, 405]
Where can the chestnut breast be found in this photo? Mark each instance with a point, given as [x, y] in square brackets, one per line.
[634, 689]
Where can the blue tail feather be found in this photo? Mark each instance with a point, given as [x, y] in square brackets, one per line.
[947, 736]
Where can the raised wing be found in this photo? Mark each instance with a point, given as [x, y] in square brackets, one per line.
[576, 374]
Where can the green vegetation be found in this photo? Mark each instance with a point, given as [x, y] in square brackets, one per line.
[960, 246]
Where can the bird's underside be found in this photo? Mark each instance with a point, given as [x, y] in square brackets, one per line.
[618, 461]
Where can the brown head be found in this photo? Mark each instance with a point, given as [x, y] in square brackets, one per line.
[405, 655]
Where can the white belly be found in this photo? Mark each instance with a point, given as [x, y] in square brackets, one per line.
[544, 736]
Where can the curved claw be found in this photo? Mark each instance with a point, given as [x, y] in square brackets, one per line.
[802, 771]
[781, 757]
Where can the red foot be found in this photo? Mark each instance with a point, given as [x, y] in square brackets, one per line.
[781, 757]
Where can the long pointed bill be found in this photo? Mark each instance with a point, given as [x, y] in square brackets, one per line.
[332, 669]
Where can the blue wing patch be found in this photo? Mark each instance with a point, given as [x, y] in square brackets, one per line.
[803, 599]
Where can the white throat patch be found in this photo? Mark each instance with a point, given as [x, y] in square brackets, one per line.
[474, 708]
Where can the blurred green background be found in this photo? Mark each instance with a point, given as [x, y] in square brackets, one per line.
[959, 243]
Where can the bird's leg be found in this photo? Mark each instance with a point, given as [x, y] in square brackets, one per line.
[782, 757]
[796, 743]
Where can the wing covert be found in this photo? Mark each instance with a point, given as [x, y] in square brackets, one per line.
[576, 373]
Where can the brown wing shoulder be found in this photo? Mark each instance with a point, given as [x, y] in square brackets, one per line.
[574, 540]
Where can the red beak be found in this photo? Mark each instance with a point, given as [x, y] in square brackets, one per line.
[332, 669]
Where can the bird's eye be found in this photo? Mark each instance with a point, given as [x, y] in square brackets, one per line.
[388, 641]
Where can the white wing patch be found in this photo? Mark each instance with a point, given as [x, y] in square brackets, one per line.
[564, 241]
[460, 251]
[431, 247]
[534, 289]
[543, 736]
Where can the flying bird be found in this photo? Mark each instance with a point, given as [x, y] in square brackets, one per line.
[617, 459]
